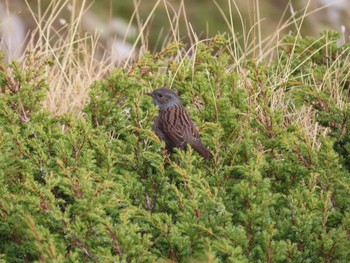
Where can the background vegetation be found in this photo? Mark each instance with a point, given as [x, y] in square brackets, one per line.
[97, 185]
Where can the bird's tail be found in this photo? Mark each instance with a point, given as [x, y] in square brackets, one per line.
[197, 146]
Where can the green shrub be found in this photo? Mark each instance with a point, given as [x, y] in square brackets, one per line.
[103, 189]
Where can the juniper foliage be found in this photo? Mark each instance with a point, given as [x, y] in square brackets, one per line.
[103, 189]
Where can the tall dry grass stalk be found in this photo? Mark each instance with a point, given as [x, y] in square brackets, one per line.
[72, 51]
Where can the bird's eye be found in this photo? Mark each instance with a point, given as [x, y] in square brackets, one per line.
[160, 95]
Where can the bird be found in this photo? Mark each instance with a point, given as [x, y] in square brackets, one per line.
[173, 124]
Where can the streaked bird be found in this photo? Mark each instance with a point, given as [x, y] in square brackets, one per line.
[173, 124]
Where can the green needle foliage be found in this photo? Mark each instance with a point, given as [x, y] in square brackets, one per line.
[103, 188]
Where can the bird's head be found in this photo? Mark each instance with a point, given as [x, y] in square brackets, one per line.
[164, 98]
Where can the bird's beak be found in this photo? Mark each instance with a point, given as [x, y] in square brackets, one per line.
[149, 94]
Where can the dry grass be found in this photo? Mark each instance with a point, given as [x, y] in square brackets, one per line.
[77, 61]
[75, 65]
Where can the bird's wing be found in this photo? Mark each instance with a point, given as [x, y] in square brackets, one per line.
[178, 127]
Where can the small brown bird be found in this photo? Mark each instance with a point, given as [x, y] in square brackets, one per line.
[173, 124]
